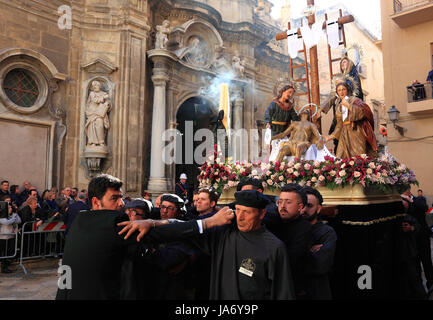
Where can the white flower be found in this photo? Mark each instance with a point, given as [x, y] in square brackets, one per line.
[307, 166]
[352, 163]
[290, 170]
[369, 171]
[217, 160]
[357, 174]
[316, 164]
[270, 182]
[254, 172]
[343, 166]
[238, 166]
[342, 173]
[363, 156]
[281, 178]
[296, 173]
[217, 179]
[371, 165]
[215, 185]
[333, 173]
[297, 166]
[321, 178]
[316, 171]
[313, 179]
[242, 170]
[268, 173]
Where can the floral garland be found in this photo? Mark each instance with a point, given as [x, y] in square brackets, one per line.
[384, 172]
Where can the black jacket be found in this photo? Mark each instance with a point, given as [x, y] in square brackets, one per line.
[95, 252]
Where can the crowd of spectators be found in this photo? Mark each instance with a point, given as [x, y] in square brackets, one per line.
[26, 205]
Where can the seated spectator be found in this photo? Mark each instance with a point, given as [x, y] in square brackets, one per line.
[74, 209]
[9, 222]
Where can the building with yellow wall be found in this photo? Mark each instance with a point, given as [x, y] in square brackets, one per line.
[407, 32]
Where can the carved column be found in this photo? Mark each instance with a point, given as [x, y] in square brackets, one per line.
[158, 180]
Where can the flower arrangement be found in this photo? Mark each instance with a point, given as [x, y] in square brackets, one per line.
[384, 172]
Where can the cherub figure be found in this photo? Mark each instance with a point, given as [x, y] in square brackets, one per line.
[162, 35]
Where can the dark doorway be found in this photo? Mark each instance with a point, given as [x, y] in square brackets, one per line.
[202, 113]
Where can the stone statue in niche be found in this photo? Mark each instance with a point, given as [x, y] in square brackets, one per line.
[238, 66]
[197, 52]
[97, 123]
[162, 35]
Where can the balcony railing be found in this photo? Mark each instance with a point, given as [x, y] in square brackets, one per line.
[404, 5]
[419, 92]
[420, 98]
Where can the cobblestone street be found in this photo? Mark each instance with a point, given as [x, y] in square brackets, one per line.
[40, 283]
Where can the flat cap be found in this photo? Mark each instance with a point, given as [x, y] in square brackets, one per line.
[140, 204]
[251, 198]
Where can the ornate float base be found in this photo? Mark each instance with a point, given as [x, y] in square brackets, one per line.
[348, 195]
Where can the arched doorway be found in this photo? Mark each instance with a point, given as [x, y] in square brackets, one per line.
[201, 113]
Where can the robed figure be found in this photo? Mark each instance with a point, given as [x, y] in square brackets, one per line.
[97, 122]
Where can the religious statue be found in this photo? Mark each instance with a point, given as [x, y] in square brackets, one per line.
[301, 136]
[97, 108]
[238, 66]
[349, 75]
[281, 112]
[220, 64]
[355, 123]
[162, 35]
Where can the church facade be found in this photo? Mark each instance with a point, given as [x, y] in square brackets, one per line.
[90, 86]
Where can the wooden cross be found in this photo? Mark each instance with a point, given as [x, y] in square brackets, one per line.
[314, 61]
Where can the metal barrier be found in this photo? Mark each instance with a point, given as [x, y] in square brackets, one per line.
[47, 240]
[5, 244]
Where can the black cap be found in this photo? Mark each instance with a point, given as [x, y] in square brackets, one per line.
[139, 204]
[176, 200]
[251, 198]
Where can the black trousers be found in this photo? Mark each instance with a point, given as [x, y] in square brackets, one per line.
[424, 256]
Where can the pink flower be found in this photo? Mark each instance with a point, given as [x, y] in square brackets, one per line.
[357, 174]
[307, 166]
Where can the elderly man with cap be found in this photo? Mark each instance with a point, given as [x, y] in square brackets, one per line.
[138, 209]
[182, 189]
[248, 262]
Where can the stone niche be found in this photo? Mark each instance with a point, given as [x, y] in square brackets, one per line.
[96, 124]
[196, 42]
